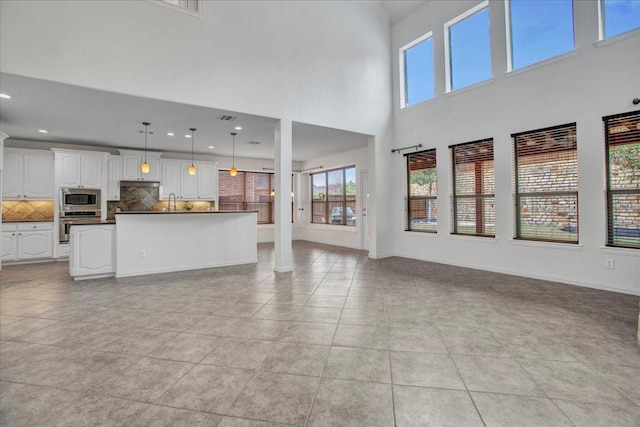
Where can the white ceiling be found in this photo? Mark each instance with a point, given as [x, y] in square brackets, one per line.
[397, 9]
[77, 115]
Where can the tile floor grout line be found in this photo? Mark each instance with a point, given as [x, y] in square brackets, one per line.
[386, 328]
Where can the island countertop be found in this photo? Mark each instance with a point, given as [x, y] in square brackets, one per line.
[177, 212]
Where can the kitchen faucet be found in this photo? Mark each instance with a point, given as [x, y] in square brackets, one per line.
[174, 202]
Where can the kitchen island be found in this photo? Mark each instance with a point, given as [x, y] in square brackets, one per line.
[160, 242]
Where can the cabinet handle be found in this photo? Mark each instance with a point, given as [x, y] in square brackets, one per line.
[19, 234]
[13, 234]
[25, 196]
[35, 226]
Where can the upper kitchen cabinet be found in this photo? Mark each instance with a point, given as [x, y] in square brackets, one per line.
[131, 161]
[27, 174]
[176, 179]
[81, 169]
[114, 176]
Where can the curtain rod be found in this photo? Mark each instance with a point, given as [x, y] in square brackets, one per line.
[397, 150]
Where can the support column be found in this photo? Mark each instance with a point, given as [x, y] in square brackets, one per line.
[283, 229]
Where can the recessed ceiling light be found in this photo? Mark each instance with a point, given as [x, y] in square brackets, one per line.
[211, 146]
[43, 130]
[170, 134]
[187, 136]
[5, 96]
[238, 128]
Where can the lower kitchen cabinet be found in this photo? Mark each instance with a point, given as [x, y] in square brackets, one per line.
[92, 251]
[27, 240]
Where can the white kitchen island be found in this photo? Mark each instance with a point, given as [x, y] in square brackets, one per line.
[160, 242]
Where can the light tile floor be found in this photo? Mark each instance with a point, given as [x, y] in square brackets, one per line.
[343, 340]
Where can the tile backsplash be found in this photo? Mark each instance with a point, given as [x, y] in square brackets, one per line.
[148, 199]
[27, 210]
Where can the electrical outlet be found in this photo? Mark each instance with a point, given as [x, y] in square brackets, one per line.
[143, 253]
[608, 263]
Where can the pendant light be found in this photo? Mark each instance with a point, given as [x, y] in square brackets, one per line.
[192, 168]
[144, 167]
[233, 171]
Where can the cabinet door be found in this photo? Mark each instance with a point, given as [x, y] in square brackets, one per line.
[131, 167]
[114, 173]
[38, 176]
[207, 178]
[170, 178]
[35, 244]
[9, 245]
[70, 164]
[188, 187]
[91, 172]
[93, 250]
[12, 176]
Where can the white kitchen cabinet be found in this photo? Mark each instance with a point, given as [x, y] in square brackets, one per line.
[81, 169]
[9, 244]
[27, 175]
[176, 179]
[114, 175]
[131, 161]
[92, 251]
[27, 240]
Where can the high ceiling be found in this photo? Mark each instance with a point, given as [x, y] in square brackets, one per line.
[77, 115]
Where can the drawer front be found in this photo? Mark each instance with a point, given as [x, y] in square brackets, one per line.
[9, 226]
[35, 226]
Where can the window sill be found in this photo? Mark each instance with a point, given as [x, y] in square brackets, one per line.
[468, 237]
[541, 64]
[336, 227]
[175, 8]
[470, 88]
[419, 104]
[430, 234]
[548, 245]
[620, 251]
[619, 37]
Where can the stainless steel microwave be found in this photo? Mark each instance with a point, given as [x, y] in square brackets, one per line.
[79, 199]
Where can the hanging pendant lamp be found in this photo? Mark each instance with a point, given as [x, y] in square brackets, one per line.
[192, 168]
[144, 167]
[233, 171]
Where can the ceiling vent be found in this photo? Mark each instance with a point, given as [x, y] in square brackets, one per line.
[227, 118]
[253, 142]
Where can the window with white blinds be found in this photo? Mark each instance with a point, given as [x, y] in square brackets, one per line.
[474, 198]
[546, 184]
[422, 191]
[622, 137]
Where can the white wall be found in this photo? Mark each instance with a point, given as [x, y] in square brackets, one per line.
[340, 235]
[323, 63]
[596, 80]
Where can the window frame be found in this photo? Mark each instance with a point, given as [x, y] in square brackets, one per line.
[327, 202]
[408, 218]
[602, 27]
[518, 195]
[244, 204]
[447, 44]
[509, 38]
[403, 71]
[611, 192]
[477, 196]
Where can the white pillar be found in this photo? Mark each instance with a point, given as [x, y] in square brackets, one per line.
[3, 136]
[283, 229]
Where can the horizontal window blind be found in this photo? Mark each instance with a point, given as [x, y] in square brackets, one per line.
[422, 190]
[546, 184]
[248, 191]
[622, 138]
[474, 188]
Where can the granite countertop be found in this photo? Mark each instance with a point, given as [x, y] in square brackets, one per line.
[106, 221]
[176, 212]
[28, 220]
